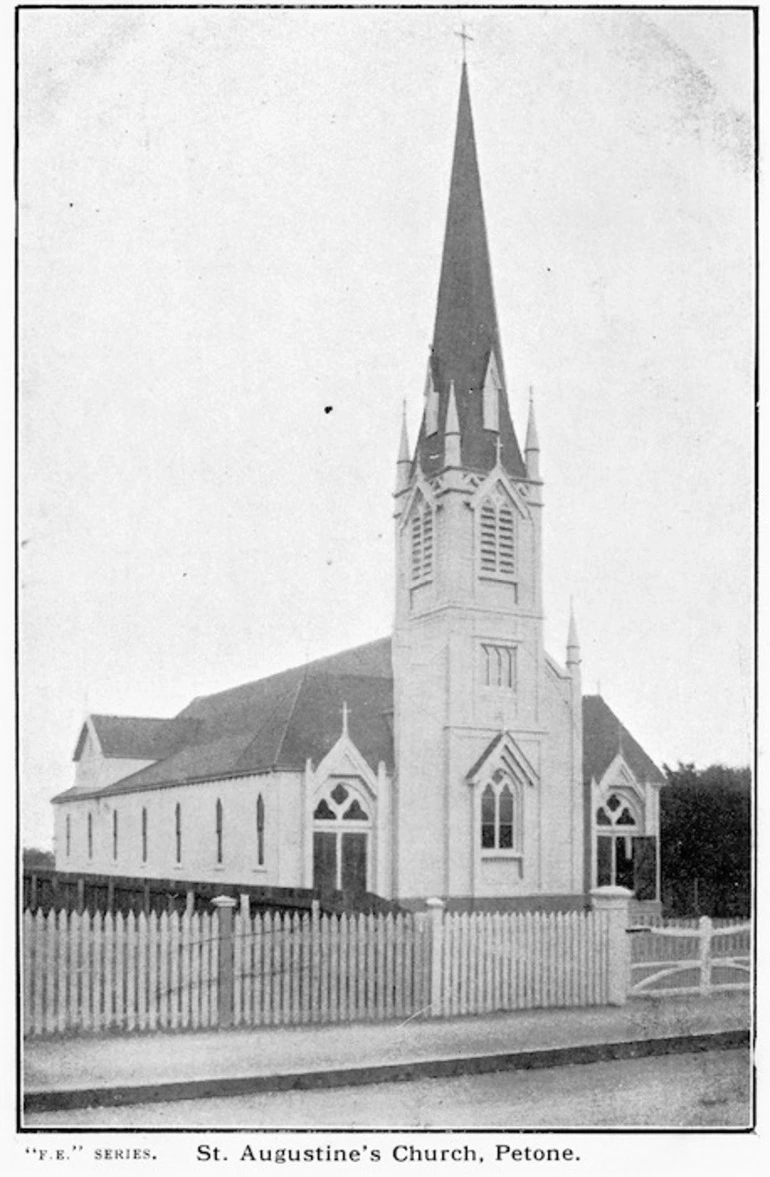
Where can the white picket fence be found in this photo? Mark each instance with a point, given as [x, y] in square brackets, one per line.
[690, 956]
[131, 973]
[522, 960]
[115, 972]
[293, 970]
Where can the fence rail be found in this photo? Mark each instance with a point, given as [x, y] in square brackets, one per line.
[690, 956]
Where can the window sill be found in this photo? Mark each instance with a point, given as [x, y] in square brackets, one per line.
[498, 579]
[514, 854]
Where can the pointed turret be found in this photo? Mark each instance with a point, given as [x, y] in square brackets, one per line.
[466, 348]
[532, 445]
[452, 432]
[573, 645]
[404, 461]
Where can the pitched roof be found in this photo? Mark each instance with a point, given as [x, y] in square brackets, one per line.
[134, 737]
[279, 722]
[604, 736]
[466, 331]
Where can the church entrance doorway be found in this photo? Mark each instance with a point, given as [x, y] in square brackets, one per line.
[341, 853]
[339, 862]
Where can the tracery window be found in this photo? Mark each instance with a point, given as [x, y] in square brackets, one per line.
[342, 828]
[501, 815]
[625, 855]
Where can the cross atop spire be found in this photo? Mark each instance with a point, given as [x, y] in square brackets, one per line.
[465, 37]
[345, 719]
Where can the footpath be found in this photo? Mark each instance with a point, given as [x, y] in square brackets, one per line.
[109, 1070]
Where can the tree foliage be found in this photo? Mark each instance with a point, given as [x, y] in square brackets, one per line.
[33, 858]
[705, 837]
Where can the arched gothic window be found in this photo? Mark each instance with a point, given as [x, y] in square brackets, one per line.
[260, 831]
[68, 834]
[501, 815]
[218, 823]
[115, 834]
[90, 835]
[617, 827]
[178, 832]
[422, 541]
[342, 826]
[144, 835]
[497, 555]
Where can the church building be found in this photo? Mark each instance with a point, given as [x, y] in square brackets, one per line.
[457, 758]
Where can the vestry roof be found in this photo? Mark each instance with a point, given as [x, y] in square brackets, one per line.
[281, 721]
[604, 736]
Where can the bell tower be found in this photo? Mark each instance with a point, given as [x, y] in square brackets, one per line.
[468, 658]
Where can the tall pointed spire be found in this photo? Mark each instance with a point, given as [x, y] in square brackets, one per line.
[466, 334]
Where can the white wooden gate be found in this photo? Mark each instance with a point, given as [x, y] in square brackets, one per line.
[697, 956]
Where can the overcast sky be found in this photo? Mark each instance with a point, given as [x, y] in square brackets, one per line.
[231, 220]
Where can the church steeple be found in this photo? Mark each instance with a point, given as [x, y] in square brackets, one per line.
[466, 348]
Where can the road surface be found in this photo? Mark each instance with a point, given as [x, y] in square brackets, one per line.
[694, 1090]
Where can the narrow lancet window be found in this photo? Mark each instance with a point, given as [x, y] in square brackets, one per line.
[260, 831]
[218, 818]
[178, 833]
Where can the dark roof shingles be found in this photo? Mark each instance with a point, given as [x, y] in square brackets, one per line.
[604, 736]
[281, 721]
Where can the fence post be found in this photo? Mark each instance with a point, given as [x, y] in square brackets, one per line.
[705, 931]
[225, 905]
[436, 913]
[615, 902]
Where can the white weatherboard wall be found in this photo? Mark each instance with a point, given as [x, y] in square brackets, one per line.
[94, 770]
[282, 832]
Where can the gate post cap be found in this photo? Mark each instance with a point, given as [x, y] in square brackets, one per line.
[434, 903]
[223, 901]
[610, 896]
